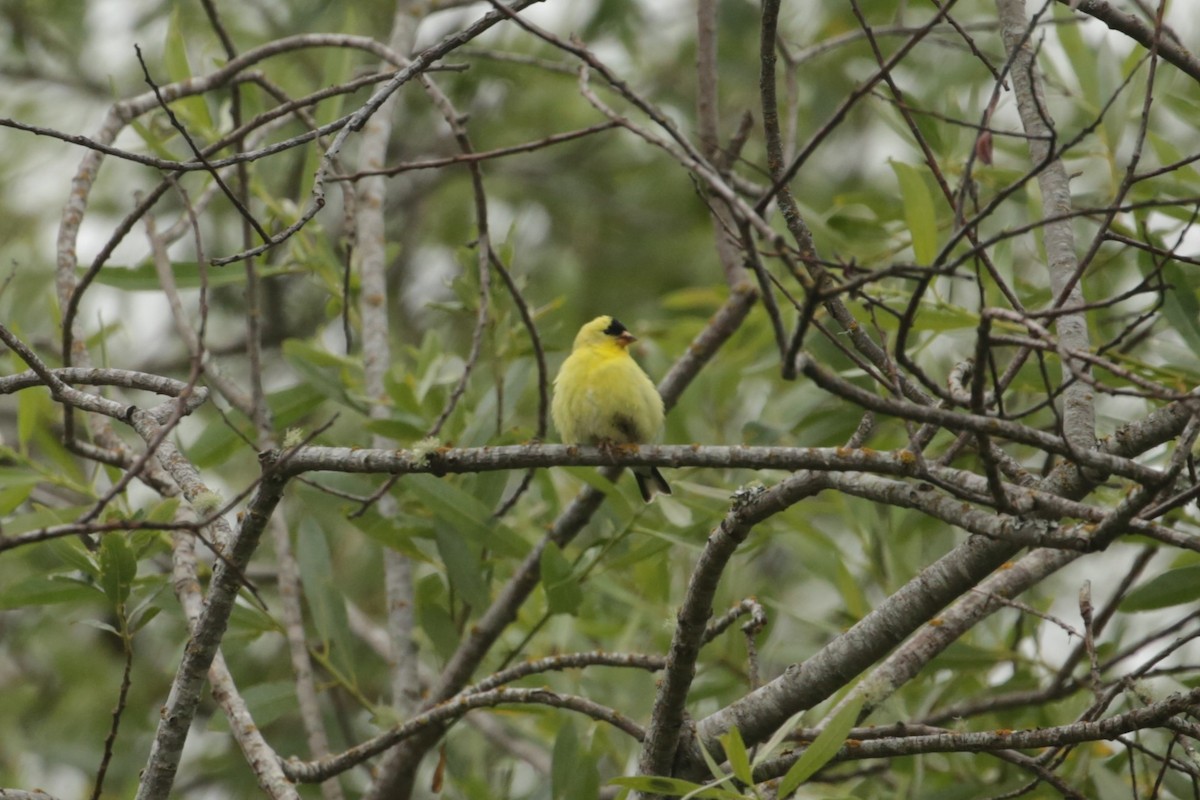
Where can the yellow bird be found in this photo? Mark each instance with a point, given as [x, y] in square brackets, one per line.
[602, 397]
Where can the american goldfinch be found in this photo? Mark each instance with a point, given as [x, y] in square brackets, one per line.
[602, 397]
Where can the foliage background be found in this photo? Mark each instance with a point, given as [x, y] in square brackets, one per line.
[600, 224]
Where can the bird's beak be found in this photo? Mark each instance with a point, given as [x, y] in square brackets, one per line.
[626, 339]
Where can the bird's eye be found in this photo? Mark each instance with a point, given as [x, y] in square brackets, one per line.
[616, 328]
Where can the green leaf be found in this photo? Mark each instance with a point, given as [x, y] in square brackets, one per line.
[563, 593]
[436, 621]
[192, 110]
[16, 484]
[714, 768]
[1117, 117]
[398, 428]
[267, 702]
[249, 622]
[324, 597]
[965, 656]
[73, 553]
[393, 534]
[31, 407]
[564, 761]
[772, 745]
[152, 141]
[40, 591]
[289, 406]
[824, 748]
[946, 317]
[324, 372]
[214, 446]
[655, 784]
[140, 621]
[463, 566]
[481, 422]
[118, 568]
[739, 758]
[144, 277]
[850, 589]
[701, 300]
[616, 498]
[100, 626]
[163, 512]
[640, 552]
[918, 211]
[1081, 55]
[463, 511]
[1171, 588]
[1180, 306]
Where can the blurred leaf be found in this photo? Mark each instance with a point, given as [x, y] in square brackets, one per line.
[1116, 120]
[289, 406]
[16, 484]
[1168, 152]
[326, 600]
[1180, 306]
[118, 568]
[641, 551]
[215, 445]
[435, 620]
[163, 511]
[250, 622]
[1082, 56]
[73, 553]
[393, 534]
[695, 299]
[482, 425]
[573, 773]
[32, 407]
[100, 626]
[945, 317]
[463, 566]
[850, 590]
[739, 757]
[465, 513]
[144, 277]
[714, 769]
[401, 428]
[673, 787]
[324, 372]
[139, 621]
[191, 110]
[963, 655]
[918, 212]
[562, 765]
[153, 141]
[41, 591]
[563, 593]
[823, 748]
[612, 491]
[268, 703]
[1171, 588]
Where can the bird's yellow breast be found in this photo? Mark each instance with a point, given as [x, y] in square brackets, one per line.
[602, 395]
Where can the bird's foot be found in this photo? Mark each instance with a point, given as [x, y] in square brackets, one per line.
[613, 449]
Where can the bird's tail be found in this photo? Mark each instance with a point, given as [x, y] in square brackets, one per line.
[651, 482]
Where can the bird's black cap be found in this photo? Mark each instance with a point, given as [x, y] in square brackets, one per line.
[616, 328]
